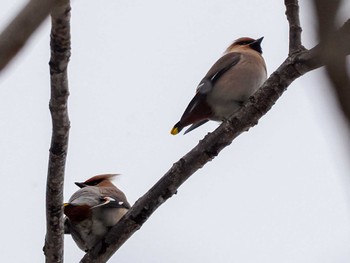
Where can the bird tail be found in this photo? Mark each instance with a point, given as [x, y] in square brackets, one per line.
[195, 125]
[177, 128]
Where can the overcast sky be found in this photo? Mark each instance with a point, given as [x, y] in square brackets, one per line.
[278, 193]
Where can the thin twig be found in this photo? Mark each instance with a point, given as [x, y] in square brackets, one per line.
[60, 53]
[292, 13]
[258, 105]
[16, 34]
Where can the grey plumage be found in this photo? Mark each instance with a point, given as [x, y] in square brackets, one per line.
[93, 210]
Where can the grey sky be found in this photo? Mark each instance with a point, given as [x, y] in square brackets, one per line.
[277, 194]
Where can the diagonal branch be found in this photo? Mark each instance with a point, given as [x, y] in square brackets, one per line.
[292, 13]
[60, 53]
[16, 34]
[206, 150]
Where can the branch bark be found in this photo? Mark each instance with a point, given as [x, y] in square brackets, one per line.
[292, 13]
[60, 54]
[297, 64]
[16, 34]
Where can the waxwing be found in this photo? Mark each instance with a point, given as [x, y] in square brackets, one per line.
[228, 84]
[93, 210]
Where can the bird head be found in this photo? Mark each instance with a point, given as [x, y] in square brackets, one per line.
[246, 43]
[98, 180]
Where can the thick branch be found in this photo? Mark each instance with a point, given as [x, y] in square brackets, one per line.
[16, 34]
[334, 53]
[258, 105]
[60, 53]
[292, 13]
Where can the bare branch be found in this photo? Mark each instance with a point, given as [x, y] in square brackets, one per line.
[326, 12]
[13, 38]
[206, 150]
[292, 13]
[334, 52]
[60, 53]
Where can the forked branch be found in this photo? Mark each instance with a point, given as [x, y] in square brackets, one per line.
[298, 63]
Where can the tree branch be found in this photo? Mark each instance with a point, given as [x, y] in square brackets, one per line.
[292, 13]
[60, 53]
[207, 149]
[334, 52]
[16, 34]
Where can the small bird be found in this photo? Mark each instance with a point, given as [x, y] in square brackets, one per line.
[228, 84]
[93, 210]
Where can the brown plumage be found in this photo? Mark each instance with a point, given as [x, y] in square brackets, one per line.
[227, 85]
[93, 209]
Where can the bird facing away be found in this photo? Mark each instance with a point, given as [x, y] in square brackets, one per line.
[237, 75]
[93, 210]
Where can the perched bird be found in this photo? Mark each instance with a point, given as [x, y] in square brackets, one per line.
[93, 209]
[227, 85]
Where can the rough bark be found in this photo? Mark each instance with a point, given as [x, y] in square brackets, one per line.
[292, 13]
[60, 53]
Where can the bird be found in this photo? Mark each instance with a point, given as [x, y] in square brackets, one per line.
[93, 210]
[236, 76]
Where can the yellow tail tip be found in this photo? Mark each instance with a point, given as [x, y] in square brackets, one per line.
[174, 131]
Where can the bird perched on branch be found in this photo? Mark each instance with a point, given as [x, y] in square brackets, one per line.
[93, 209]
[227, 85]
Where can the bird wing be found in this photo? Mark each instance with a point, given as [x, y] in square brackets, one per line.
[114, 204]
[94, 196]
[117, 198]
[198, 111]
[198, 104]
[88, 195]
[217, 70]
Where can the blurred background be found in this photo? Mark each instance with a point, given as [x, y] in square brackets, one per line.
[278, 193]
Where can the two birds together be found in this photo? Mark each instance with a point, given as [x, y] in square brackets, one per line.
[238, 74]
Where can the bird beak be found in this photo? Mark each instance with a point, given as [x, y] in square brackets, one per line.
[81, 185]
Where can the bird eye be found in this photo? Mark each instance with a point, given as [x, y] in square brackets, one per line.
[243, 43]
[94, 182]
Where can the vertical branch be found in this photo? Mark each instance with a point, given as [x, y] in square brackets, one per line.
[326, 12]
[16, 34]
[292, 13]
[334, 52]
[60, 53]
